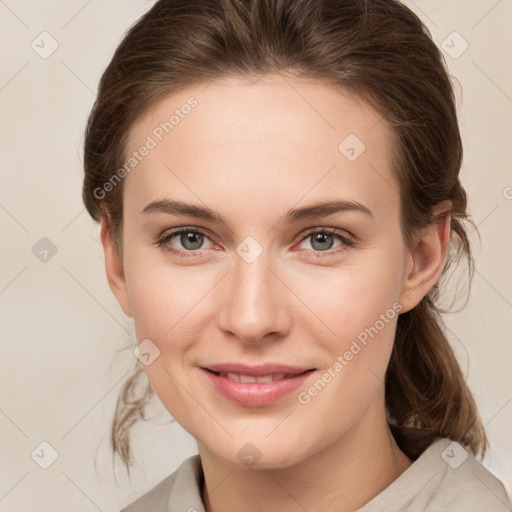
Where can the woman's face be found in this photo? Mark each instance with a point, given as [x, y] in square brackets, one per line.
[257, 287]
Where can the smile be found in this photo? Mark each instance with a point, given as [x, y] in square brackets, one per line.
[250, 378]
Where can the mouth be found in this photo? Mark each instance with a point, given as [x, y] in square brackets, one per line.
[260, 390]
[269, 377]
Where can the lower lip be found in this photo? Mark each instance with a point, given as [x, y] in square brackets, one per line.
[256, 394]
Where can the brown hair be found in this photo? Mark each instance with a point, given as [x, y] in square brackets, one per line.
[379, 51]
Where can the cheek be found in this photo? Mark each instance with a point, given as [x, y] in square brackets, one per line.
[361, 311]
[351, 297]
[167, 303]
[357, 309]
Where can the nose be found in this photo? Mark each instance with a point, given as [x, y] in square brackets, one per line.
[253, 302]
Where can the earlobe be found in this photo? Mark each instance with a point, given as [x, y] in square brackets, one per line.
[428, 258]
[114, 268]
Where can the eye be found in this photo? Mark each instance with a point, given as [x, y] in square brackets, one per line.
[322, 241]
[190, 238]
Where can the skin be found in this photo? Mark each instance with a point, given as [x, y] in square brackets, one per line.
[251, 150]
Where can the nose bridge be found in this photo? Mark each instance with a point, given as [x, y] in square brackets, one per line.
[253, 305]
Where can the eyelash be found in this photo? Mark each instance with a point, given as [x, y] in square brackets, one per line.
[348, 241]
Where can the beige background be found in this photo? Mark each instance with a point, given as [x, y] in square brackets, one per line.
[60, 326]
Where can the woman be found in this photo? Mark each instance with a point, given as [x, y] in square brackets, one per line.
[277, 186]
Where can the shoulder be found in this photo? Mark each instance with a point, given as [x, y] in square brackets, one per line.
[464, 483]
[175, 490]
[447, 477]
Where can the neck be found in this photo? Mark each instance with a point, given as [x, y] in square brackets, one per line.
[341, 477]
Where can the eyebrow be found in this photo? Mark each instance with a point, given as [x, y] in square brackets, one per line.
[313, 211]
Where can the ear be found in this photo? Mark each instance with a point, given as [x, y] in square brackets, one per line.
[114, 268]
[427, 258]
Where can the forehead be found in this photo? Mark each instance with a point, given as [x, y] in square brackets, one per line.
[245, 139]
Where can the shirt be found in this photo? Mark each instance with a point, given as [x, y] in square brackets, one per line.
[444, 478]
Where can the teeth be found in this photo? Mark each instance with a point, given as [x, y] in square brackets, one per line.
[249, 378]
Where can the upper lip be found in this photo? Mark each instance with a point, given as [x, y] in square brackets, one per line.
[256, 371]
